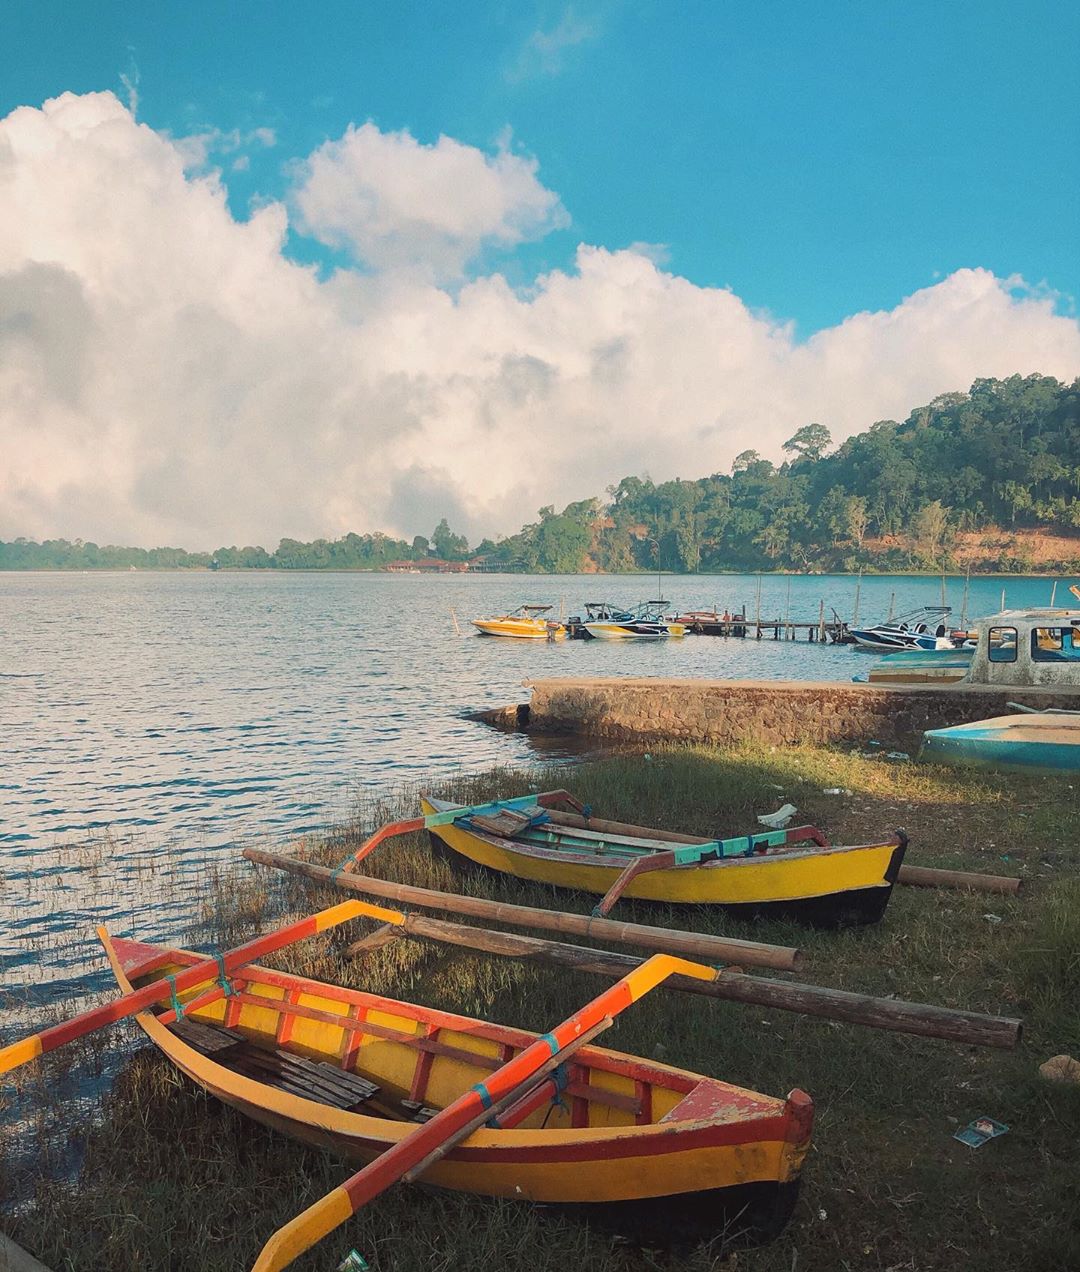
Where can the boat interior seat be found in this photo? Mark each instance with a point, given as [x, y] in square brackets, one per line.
[701, 1102]
[317, 1080]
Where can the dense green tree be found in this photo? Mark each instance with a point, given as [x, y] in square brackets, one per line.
[448, 545]
[810, 442]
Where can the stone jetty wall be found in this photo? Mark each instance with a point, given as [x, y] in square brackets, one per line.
[728, 711]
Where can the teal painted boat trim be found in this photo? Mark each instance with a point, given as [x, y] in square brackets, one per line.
[988, 748]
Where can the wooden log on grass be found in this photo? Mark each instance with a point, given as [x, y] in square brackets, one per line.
[695, 945]
[921, 1019]
[927, 877]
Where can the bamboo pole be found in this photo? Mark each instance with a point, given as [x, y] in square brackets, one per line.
[927, 877]
[719, 949]
[921, 1019]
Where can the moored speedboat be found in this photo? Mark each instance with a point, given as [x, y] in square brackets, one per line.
[648, 621]
[924, 628]
[527, 622]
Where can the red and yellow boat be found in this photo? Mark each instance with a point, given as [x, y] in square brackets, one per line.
[657, 1152]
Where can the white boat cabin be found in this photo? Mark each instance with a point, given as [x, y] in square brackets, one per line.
[1027, 647]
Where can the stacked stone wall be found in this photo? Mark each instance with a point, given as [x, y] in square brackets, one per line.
[773, 712]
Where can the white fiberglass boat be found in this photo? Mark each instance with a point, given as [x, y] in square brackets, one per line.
[648, 621]
[924, 628]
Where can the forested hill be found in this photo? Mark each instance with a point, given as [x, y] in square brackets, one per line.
[991, 476]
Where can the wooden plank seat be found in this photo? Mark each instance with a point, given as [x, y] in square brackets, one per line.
[348, 1090]
[418, 1111]
[314, 1080]
[505, 823]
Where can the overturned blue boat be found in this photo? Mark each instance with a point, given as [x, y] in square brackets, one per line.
[1038, 741]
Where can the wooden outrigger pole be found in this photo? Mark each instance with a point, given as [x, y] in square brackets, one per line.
[919, 1019]
[723, 949]
[168, 987]
[432, 1140]
[893, 1014]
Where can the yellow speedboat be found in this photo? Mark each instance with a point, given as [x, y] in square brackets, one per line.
[527, 622]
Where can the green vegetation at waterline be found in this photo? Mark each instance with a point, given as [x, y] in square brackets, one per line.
[169, 1178]
[988, 478]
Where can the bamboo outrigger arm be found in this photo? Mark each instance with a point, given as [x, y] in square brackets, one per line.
[166, 988]
[699, 945]
[918, 1019]
[392, 829]
[505, 1087]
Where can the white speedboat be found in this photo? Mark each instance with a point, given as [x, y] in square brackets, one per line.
[647, 622]
[924, 628]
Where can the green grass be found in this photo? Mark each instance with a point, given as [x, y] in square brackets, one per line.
[169, 1178]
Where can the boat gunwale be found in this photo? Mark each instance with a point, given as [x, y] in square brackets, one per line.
[485, 1144]
[610, 860]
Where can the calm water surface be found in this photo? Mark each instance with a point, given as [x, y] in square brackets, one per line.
[149, 718]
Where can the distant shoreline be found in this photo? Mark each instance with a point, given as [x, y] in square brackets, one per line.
[507, 574]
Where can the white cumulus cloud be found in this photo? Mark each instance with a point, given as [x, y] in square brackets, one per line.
[169, 375]
[395, 203]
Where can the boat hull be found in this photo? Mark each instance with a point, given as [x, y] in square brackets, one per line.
[886, 642]
[633, 630]
[519, 629]
[825, 887]
[920, 666]
[1042, 742]
[627, 1134]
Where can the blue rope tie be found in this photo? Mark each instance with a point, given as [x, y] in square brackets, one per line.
[339, 868]
[177, 1005]
[223, 978]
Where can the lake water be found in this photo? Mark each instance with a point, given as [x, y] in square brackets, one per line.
[145, 716]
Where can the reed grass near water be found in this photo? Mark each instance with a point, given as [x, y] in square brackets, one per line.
[158, 1175]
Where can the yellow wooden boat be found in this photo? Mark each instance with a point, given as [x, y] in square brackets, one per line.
[794, 873]
[659, 1153]
[527, 622]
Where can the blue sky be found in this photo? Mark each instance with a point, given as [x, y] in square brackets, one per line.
[819, 159]
[282, 269]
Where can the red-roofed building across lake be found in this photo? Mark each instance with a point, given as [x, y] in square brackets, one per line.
[427, 565]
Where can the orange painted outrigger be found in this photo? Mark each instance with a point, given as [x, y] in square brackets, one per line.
[470, 1110]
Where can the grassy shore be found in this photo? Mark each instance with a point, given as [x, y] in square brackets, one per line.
[168, 1178]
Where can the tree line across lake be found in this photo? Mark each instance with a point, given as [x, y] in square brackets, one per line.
[999, 460]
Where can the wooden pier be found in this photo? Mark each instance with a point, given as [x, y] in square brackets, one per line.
[738, 626]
